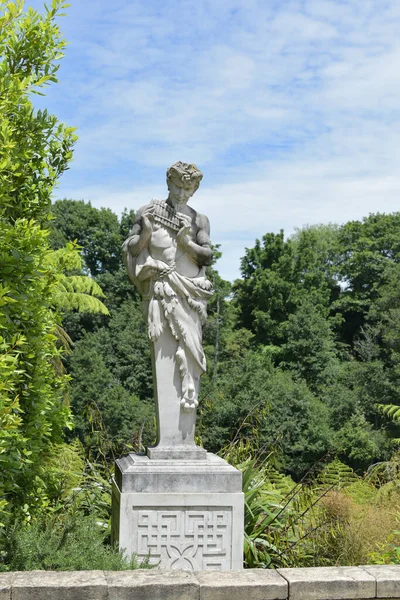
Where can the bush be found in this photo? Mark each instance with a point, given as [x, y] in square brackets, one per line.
[35, 150]
[53, 543]
[350, 533]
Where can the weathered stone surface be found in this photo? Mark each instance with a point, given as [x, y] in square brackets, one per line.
[387, 580]
[166, 255]
[139, 473]
[5, 585]
[152, 585]
[185, 514]
[181, 452]
[179, 504]
[329, 583]
[62, 585]
[193, 531]
[320, 583]
[251, 584]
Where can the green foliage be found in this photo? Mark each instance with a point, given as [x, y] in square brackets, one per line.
[252, 395]
[309, 347]
[31, 408]
[389, 552]
[390, 410]
[34, 151]
[335, 518]
[278, 275]
[337, 474]
[385, 472]
[362, 492]
[359, 442]
[99, 234]
[324, 305]
[264, 517]
[281, 517]
[74, 292]
[79, 292]
[63, 470]
[35, 148]
[97, 231]
[261, 516]
[111, 393]
[55, 543]
[369, 247]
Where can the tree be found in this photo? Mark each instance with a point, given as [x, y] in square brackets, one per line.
[111, 390]
[97, 231]
[34, 151]
[278, 275]
[368, 247]
[323, 305]
[100, 233]
[309, 347]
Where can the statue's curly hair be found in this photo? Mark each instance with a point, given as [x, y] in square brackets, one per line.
[184, 174]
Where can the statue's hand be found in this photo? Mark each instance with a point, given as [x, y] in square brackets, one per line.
[147, 217]
[183, 233]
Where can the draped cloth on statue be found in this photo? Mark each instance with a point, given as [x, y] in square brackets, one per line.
[179, 303]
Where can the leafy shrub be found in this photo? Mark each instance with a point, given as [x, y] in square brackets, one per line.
[349, 533]
[35, 150]
[389, 552]
[56, 543]
[278, 512]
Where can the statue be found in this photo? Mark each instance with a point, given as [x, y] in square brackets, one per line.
[178, 505]
[166, 254]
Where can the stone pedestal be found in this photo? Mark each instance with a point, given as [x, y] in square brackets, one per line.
[182, 514]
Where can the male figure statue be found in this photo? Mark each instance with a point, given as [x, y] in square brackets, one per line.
[166, 254]
[180, 505]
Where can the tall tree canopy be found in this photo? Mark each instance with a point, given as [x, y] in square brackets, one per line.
[34, 151]
[299, 351]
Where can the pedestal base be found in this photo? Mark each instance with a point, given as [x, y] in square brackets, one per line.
[174, 453]
[181, 514]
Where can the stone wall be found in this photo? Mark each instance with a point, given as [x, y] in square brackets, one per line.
[319, 583]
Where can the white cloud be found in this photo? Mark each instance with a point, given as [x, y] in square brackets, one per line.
[290, 108]
[278, 197]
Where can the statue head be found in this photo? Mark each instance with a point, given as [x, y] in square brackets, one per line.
[184, 175]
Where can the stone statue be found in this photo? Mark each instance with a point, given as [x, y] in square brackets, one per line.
[166, 254]
[178, 506]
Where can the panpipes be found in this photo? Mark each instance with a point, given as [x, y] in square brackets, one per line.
[165, 215]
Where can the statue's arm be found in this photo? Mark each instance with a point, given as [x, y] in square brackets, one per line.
[140, 232]
[200, 249]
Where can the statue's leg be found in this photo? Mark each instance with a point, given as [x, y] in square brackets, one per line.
[176, 426]
[189, 381]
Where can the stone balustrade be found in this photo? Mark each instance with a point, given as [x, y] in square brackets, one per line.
[319, 583]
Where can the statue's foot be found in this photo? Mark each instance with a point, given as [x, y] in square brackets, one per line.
[189, 401]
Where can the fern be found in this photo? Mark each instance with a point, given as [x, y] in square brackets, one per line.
[64, 339]
[362, 492]
[278, 481]
[63, 469]
[78, 292]
[385, 472]
[80, 284]
[392, 411]
[65, 259]
[337, 474]
[73, 292]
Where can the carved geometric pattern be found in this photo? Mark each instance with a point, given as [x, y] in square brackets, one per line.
[185, 538]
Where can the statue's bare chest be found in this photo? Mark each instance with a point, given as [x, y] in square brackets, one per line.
[162, 239]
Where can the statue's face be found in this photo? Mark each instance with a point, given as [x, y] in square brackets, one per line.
[180, 194]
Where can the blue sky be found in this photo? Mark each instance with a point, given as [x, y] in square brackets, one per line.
[289, 107]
